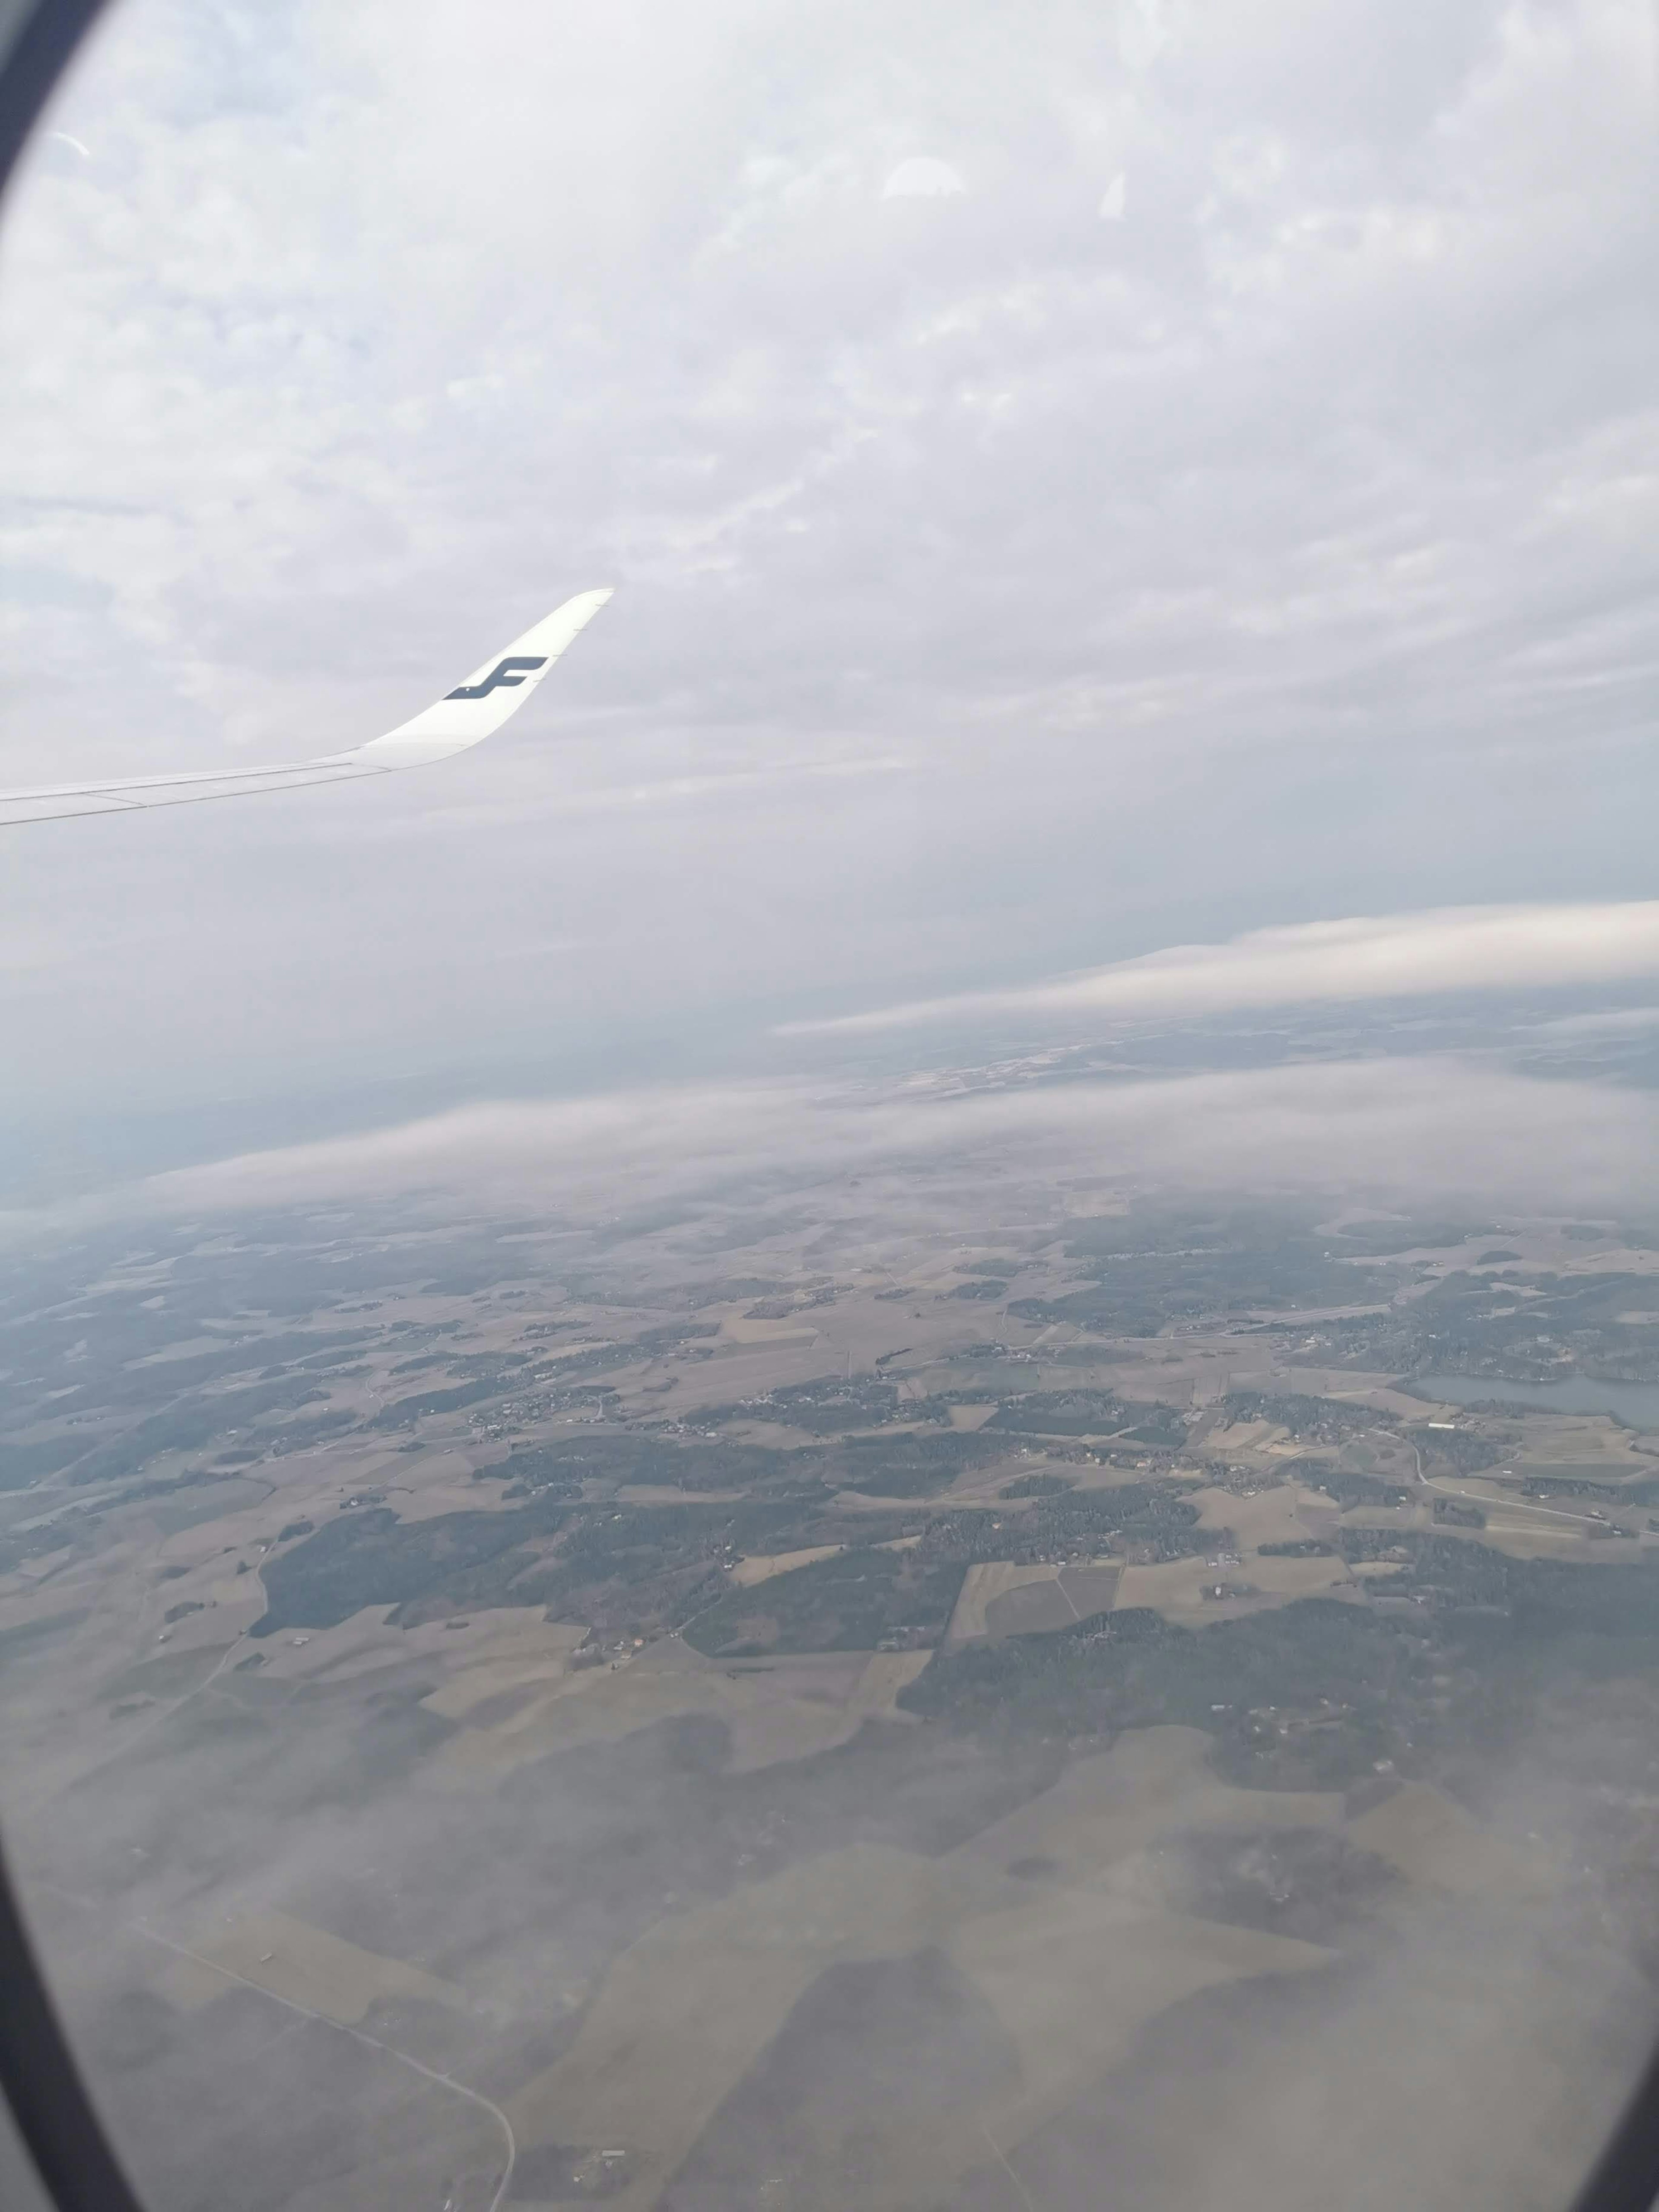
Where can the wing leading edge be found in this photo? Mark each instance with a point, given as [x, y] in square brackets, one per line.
[474, 710]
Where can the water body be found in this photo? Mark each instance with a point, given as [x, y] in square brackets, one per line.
[1635, 1403]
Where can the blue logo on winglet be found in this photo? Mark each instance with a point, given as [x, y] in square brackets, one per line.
[511, 670]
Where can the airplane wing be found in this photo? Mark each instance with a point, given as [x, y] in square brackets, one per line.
[464, 717]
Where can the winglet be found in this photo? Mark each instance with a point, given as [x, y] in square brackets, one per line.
[471, 711]
[476, 710]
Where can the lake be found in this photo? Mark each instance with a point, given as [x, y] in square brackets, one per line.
[1635, 1403]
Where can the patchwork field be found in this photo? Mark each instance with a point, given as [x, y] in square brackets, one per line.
[751, 1686]
[1069, 1973]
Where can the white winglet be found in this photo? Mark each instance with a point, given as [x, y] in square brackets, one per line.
[464, 717]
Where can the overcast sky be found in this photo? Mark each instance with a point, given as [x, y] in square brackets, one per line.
[1082, 482]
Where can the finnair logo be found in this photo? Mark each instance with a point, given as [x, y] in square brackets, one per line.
[511, 670]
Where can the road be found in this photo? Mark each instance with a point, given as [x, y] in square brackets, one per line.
[389, 2050]
[1513, 1505]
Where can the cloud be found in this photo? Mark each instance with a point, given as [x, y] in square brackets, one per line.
[1143, 32]
[1296, 539]
[1396, 1129]
[1611, 1021]
[922, 177]
[1363, 957]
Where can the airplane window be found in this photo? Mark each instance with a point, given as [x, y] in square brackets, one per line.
[836, 1386]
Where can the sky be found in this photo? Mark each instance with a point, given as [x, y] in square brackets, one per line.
[1084, 484]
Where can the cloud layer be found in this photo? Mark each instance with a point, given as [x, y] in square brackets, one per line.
[1363, 957]
[1396, 1129]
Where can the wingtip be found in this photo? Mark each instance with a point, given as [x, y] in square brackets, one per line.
[581, 609]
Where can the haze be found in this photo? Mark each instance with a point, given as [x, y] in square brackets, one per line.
[1008, 590]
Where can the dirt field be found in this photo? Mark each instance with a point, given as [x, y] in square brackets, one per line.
[1109, 1806]
[1036, 1608]
[981, 1585]
[1242, 1439]
[684, 2012]
[791, 1333]
[761, 1568]
[509, 1661]
[1070, 1972]
[1177, 1588]
[515, 1638]
[1073, 1977]
[1353, 1390]
[1289, 1512]
[1433, 1840]
[967, 1418]
[776, 1710]
[876, 1692]
[304, 1965]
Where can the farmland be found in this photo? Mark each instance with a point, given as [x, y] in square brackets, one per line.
[499, 1652]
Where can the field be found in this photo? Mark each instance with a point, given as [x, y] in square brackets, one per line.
[748, 1572]
[1069, 1973]
[984, 1584]
[738, 1693]
[1432, 1839]
[1193, 1591]
[771, 1710]
[305, 1967]
[1000, 1598]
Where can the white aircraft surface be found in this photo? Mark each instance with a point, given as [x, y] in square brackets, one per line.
[464, 717]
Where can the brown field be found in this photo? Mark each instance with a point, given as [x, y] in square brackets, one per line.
[305, 1966]
[685, 2011]
[445, 1485]
[1289, 1512]
[1072, 1972]
[875, 1693]
[1114, 1804]
[1034, 1608]
[1433, 1840]
[511, 1659]
[1073, 1976]
[688, 2009]
[980, 1486]
[1176, 1588]
[661, 1493]
[776, 1710]
[1586, 1446]
[761, 1568]
[1353, 1390]
[790, 1333]
[509, 1636]
[1555, 1539]
[970, 1418]
[983, 1582]
[1243, 1440]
